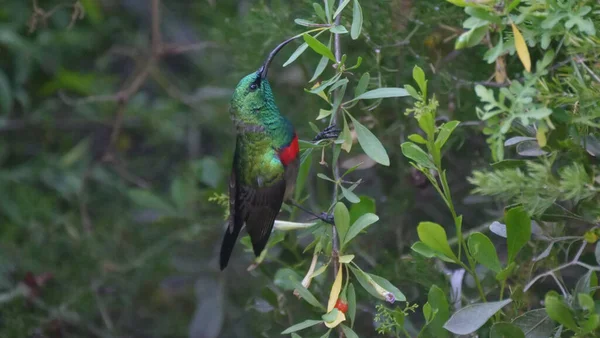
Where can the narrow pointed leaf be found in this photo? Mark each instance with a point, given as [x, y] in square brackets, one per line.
[296, 54]
[320, 68]
[381, 93]
[318, 47]
[370, 144]
[357, 21]
[340, 8]
[362, 223]
[301, 326]
[307, 295]
[348, 332]
[342, 220]
[336, 288]
[361, 87]
[351, 303]
[521, 47]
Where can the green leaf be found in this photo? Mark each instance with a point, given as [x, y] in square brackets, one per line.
[425, 251]
[484, 252]
[320, 68]
[412, 92]
[346, 136]
[342, 220]
[318, 47]
[418, 155]
[419, 77]
[585, 301]
[320, 12]
[303, 172]
[370, 144]
[506, 330]
[417, 138]
[323, 114]
[307, 295]
[389, 287]
[445, 131]
[339, 29]
[366, 205]
[559, 311]
[301, 326]
[437, 300]
[362, 223]
[6, 96]
[351, 303]
[362, 278]
[518, 231]
[330, 316]
[471, 37]
[362, 84]
[471, 317]
[303, 22]
[349, 195]
[287, 279]
[348, 332]
[381, 93]
[459, 3]
[434, 236]
[357, 21]
[296, 54]
[340, 8]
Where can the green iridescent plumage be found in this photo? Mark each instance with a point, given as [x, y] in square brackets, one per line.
[264, 166]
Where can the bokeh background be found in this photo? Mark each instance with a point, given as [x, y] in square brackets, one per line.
[115, 133]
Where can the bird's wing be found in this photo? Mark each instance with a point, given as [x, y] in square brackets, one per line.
[259, 207]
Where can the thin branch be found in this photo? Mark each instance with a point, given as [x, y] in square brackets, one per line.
[574, 261]
[335, 244]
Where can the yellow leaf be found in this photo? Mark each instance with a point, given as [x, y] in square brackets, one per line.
[335, 290]
[340, 318]
[541, 137]
[521, 47]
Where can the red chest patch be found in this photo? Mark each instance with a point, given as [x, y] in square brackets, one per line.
[290, 152]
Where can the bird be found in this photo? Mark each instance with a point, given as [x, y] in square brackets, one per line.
[265, 162]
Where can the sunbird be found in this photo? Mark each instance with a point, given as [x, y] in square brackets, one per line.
[265, 162]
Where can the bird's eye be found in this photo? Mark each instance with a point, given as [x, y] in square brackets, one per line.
[253, 87]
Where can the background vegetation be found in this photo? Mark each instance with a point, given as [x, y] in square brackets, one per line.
[116, 144]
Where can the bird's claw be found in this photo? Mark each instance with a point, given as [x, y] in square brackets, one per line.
[327, 218]
[329, 133]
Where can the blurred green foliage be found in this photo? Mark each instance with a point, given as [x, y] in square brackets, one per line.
[113, 228]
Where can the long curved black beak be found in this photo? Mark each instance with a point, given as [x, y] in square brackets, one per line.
[264, 69]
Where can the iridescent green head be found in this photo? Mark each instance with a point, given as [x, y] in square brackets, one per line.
[253, 96]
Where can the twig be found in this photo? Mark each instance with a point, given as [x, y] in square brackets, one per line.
[574, 261]
[335, 244]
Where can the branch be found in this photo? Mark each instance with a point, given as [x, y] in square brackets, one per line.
[335, 244]
[574, 261]
[336, 170]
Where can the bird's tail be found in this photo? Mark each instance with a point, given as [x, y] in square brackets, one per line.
[227, 246]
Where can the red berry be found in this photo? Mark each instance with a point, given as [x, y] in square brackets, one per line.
[341, 305]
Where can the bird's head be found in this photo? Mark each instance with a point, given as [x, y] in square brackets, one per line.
[253, 93]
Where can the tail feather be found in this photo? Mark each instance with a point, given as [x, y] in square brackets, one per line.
[229, 241]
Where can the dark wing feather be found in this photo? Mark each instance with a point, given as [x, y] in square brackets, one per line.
[235, 220]
[260, 208]
[256, 207]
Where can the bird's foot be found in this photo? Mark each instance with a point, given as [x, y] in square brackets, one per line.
[329, 133]
[325, 217]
